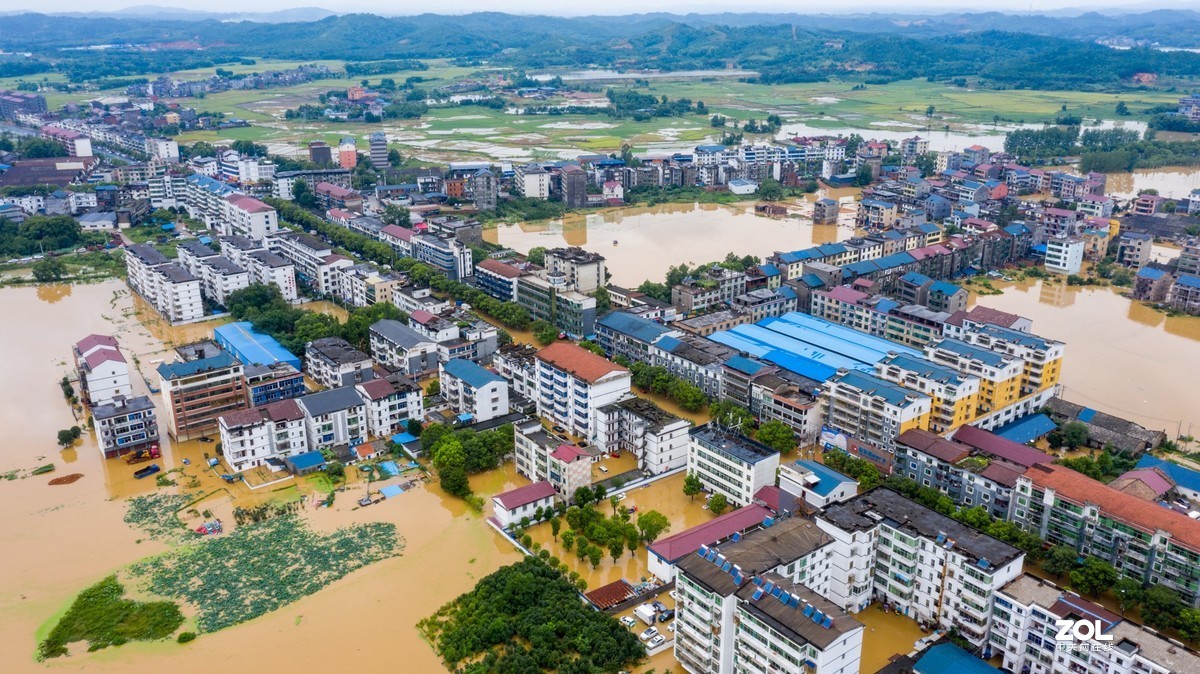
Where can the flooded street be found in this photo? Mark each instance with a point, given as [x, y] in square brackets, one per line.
[1123, 357]
[649, 240]
[62, 539]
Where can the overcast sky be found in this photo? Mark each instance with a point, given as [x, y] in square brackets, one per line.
[390, 7]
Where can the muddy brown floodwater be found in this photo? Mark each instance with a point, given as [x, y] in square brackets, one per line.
[643, 242]
[58, 540]
[1122, 357]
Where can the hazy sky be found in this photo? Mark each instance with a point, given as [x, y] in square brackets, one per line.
[611, 7]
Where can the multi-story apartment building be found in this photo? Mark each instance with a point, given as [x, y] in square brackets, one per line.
[248, 217]
[314, 261]
[251, 437]
[754, 604]
[727, 462]
[1042, 357]
[1064, 254]
[498, 279]
[1184, 295]
[334, 417]
[445, 253]
[515, 362]
[656, 437]
[999, 374]
[333, 362]
[485, 189]
[874, 411]
[205, 383]
[983, 473]
[928, 566]
[270, 383]
[574, 383]
[399, 347]
[102, 370]
[549, 299]
[764, 303]
[362, 285]
[581, 270]
[77, 144]
[534, 449]
[172, 290]
[1026, 616]
[473, 390]
[378, 150]
[875, 214]
[954, 397]
[264, 266]
[532, 181]
[1142, 539]
[125, 425]
[391, 402]
[713, 288]
[219, 276]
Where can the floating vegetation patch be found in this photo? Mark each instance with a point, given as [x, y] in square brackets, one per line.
[103, 617]
[261, 567]
[155, 514]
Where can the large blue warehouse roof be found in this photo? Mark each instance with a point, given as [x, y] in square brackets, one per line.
[253, 348]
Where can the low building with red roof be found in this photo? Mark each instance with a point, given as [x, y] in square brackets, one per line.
[663, 554]
[102, 370]
[511, 506]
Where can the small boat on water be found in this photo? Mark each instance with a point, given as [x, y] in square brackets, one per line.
[615, 242]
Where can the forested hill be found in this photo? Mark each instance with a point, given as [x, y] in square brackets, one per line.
[1032, 52]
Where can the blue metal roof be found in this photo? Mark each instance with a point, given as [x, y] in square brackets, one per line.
[950, 659]
[1188, 280]
[812, 280]
[1184, 477]
[873, 386]
[668, 343]
[769, 269]
[641, 329]
[895, 260]
[307, 460]
[884, 305]
[1151, 273]
[191, 367]
[744, 365]
[471, 374]
[1026, 429]
[252, 347]
[915, 278]
[927, 369]
[945, 287]
[828, 478]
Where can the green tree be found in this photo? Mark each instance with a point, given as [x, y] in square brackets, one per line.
[603, 300]
[1122, 109]
[584, 496]
[537, 255]
[450, 461]
[976, 517]
[66, 438]
[692, 486]
[434, 388]
[652, 524]
[396, 215]
[616, 548]
[1094, 577]
[49, 269]
[1160, 607]
[555, 525]
[777, 435]
[1061, 560]
[770, 190]
[863, 176]
[544, 333]
[718, 504]
[1128, 593]
[568, 539]
[594, 555]
[1189, 624]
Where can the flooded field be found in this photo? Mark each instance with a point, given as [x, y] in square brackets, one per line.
[1122, 357]
[61, 539]
[1170, 181]
[642, 243]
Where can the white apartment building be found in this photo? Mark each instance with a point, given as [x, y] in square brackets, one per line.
[656, 437]
[582, 271]
[334, 417]
[274, 431]
[874, 410]
[1064, 255]
[471, 389]
[125, 425]
[172, 290]
[1026, 612]
[391, 403]
[399, 347]
[102, 370]
[515, 362]
[532, 181]
[265, 267]
[928, 566]
[219, 276]
[204, 199]
[248, 217]
[755, 604]
[333, 362]
[573, 383]
[234, 166]
[730, 463]
[314, 260]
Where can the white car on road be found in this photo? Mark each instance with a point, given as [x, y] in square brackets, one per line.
[649, 634]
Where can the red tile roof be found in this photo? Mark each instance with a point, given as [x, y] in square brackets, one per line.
[421, 316]
[103, 355]
[334, 190]
[283, 410]
[249, 204]
[95, 340]
[674, 548]
[981, 314]
[240, 418]
[498, 267]
[770, 495]
[1002, 472]
[1145, 515]
[990, 443]
[398, 232]
[578, 361]
[934, 445]
[377, 389]
[568, 453]
[530, 493]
